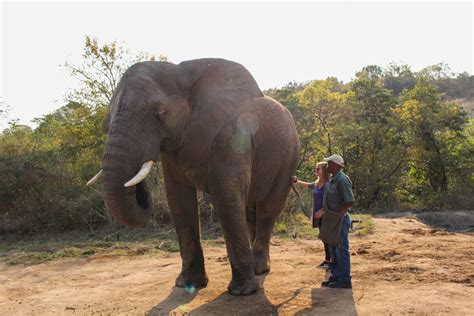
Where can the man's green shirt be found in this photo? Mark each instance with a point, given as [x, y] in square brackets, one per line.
[339, 192]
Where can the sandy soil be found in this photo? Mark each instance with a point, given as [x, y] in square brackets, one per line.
[404, 267]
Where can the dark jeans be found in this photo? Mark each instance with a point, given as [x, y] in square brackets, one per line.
[341, 267]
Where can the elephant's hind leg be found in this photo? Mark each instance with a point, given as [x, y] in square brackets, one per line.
[267, 213]
[230, 181]
[231, 211]
[182, 201]
[251, 215]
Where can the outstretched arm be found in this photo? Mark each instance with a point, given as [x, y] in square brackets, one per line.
[308, 185]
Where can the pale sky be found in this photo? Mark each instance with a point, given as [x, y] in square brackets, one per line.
[277, 41]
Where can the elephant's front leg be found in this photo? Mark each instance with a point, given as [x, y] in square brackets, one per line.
[182, 201]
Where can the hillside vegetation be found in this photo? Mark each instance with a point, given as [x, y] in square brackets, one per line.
[407, 138]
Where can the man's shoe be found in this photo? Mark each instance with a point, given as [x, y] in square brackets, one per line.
[326, 283]
[340, 285]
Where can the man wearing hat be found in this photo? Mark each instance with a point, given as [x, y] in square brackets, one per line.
[338, 198]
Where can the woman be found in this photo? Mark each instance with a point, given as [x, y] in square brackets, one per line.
[318, 187]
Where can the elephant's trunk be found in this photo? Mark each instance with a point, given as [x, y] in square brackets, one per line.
[129, 205]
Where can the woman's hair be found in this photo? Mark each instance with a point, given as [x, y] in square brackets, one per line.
[324, 165]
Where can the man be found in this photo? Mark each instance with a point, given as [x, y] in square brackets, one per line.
[338, 198]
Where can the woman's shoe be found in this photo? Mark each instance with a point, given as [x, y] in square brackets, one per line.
[325, 265]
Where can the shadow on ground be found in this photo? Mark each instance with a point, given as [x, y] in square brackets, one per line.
[225, 303]
[323, 301]
[177, 298]
[326, 301]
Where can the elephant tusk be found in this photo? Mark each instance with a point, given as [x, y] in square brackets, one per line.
[95, 178]
[141, 175]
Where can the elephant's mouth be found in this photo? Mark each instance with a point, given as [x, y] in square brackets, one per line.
[130, 202]
[141, 195]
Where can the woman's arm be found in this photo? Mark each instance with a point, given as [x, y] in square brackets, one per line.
[308, 185]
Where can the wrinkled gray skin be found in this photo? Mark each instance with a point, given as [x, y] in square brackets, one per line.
[213, 130]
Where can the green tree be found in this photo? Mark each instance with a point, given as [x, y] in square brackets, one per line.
[397, 78]
[368, 138]
[323, 103]
[431, 126]
[46, 168]
[101, 69]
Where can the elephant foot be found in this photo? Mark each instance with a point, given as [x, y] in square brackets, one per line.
[189, 280]
[243, 285]
[261, 264]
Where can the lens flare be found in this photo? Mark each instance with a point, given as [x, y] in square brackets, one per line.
[190, 288]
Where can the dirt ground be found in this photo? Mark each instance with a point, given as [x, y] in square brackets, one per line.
[404, 267]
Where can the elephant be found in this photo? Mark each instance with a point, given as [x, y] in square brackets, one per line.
[213, 130]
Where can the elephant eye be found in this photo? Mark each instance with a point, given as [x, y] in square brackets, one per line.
[160, 114]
